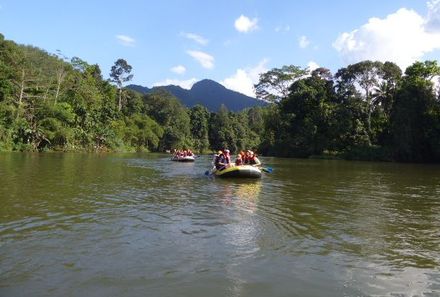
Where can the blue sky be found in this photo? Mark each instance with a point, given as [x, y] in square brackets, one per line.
[181, 42]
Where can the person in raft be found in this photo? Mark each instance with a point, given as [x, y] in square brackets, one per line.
[252, 159]
[215, 158]
[219, 161]
[223, 160]
[238, 160]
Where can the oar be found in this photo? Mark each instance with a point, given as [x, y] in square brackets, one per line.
[267, 169]
[209, 172]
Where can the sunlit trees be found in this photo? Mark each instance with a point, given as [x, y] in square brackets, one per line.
[119, 74]
[274, 84]
[306, 116]
[200, 117]
[367, 110]
[172, 116]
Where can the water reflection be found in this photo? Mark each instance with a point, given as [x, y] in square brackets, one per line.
[103, 225]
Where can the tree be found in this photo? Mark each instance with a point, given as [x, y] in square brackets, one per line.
[120, 73]
[416, 115]
[221, 132]
[366, 75]
[172, 116]
[274, 84]
[199, 116]
[306, 117]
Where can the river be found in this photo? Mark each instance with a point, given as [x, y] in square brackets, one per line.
[141, 225]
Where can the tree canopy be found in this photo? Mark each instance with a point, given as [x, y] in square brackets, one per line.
[369, 110]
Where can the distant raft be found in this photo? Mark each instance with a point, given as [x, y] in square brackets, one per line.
[183, 159]
[239, 171]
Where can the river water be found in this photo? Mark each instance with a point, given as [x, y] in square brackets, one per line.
[141, 225]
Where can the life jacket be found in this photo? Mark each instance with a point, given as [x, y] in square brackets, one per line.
[238, 162]
[252, 160]
[219, 159]
[227, 158]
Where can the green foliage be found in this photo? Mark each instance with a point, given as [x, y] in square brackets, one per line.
[367, 111]
[119, 74]
[274, 84]
[173, 117]
[199, 123]
[415, 119]
[306, 117]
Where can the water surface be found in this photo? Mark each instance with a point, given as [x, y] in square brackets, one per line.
[141, 225]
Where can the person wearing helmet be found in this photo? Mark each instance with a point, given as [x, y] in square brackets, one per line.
[216, 159]
[247, 157]
[253, 160]
[221, 160]
[238, 160]
[227, 157]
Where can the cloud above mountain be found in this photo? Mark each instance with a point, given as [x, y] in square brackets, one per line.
[204, 59]
[179, 69]
[243, 80]
[185, 84]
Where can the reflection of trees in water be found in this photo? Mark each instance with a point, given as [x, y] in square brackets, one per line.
[375, 225]
[395, 221]
[382, 212]
[386, 228]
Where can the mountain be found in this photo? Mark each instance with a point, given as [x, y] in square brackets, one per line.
[208, 93]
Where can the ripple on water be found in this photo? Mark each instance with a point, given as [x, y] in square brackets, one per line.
[312, 227]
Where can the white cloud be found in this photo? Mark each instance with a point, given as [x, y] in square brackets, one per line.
[312, 65]
[186, 84]
[197, 38]
[303, 41]
[402, 37]
[126, 40]
[244, 24]
[206, 60]
[243, 80]
[179, 69]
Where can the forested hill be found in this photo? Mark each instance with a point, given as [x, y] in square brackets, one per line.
[207, 93]
[369, 110]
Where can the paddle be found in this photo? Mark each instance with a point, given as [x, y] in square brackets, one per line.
[267, 169]
[209, 172]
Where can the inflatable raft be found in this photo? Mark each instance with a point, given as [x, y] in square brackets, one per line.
[239, 171]
[183, 159]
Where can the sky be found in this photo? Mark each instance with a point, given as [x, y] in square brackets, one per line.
[183, 41]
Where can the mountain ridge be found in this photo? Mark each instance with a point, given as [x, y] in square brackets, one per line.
[208, 93]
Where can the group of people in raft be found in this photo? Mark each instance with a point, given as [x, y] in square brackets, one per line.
[222, 159]
[182, 153]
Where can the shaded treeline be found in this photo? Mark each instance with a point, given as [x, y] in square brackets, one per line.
[368, 110]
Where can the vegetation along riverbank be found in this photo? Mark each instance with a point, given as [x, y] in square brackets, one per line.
[368, 111]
